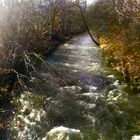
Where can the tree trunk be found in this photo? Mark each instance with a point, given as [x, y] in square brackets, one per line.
[87, 27]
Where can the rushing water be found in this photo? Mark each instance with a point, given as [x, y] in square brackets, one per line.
[72, 98]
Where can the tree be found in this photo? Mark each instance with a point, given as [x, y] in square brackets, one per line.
[82, 12]
[128, 8]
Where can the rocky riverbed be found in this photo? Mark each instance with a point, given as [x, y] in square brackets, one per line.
[73, 98]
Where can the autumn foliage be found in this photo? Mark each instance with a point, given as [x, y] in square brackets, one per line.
[119, 38]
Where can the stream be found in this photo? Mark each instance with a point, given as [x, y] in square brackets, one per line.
[72, 98]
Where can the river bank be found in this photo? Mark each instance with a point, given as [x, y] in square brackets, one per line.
[12, 78]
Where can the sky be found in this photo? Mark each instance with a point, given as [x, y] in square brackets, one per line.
[90, 1]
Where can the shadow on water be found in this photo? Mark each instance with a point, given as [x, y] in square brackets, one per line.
[56, 58]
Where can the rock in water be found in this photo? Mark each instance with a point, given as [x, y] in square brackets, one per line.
[136, 137]
[63, 133]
